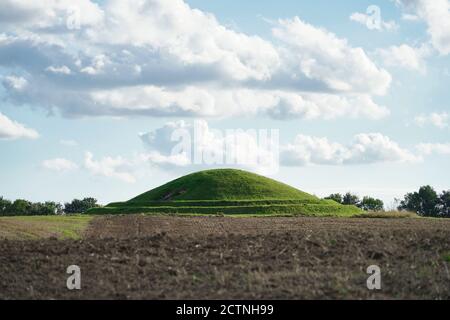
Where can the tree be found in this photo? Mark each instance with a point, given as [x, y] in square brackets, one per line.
[80, 206]
[5, 206]
[46, 208]
[90, 203]
[20, 207]
[425, 202]
[371, 204]
[336, 197]
[350, 199]
[444, 204]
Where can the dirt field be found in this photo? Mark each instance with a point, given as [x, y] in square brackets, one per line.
[136, 257]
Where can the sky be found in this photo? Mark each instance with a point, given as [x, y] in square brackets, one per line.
[112, 98]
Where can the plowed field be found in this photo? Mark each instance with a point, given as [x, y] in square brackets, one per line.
[144, 257]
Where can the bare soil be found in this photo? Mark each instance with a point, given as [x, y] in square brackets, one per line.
[145, 257]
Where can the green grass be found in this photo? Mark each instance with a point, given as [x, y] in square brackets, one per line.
[388, 215]
[228, 192]
[447, 257]
[300, 209]
[223, 184]
[39, 227]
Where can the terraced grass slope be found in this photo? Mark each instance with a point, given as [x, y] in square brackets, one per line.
[223, 184]
[227, 191]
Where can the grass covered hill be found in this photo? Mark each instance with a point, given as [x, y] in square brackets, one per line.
[227, 191]
[223, 184]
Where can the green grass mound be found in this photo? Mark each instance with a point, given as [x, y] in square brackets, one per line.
[227, 192]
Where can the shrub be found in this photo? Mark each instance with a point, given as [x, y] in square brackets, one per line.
[80, 206]
[21, 207]
[371, 204]
[426, 202]
[335, 196]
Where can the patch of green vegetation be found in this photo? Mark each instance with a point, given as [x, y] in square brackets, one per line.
[258, 210]
[228, 192]
[38, 227]
[388, 215]
[447, 257]
[223, 184]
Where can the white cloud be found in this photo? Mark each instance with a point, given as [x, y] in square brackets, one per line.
[10, 129]
[120, 168]
[410, 17]
[305, 150]
[61, 70]
[157, 159]
[48, 15]
[320, 55]
[190, 37]
[204, 102]
[440, 120]
[370, 23]
[112, 167]
[15, 83]
[97, 65]
[325, 106]
[163, 139]
[436, 15]
[59, 164]
[364, 149]
[166, 148]
[434, 148]
[181, 144]
[163, 58]
[405, 56]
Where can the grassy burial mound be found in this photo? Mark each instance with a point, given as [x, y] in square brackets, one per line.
[227, 192]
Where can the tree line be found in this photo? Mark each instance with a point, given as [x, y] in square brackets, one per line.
[366, 203]
[426, 202]
[21, 207]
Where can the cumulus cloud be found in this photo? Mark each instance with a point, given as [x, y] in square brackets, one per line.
[112, 167]
[121, 168]
[164, 58]
[368, 21]
[184, 144]
[62, 69]
[59, 164]
[405, 56]
[15, 83]
[204, 102]
[434, 148]
[10, 129]
[439, 120]
[160, 160]
[322, 56]
[410, 17]
[364, 149]
[195, 145]
[163, 139]
[436, 14]
[48, 15]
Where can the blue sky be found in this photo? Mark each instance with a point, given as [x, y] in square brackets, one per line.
[358, 109]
